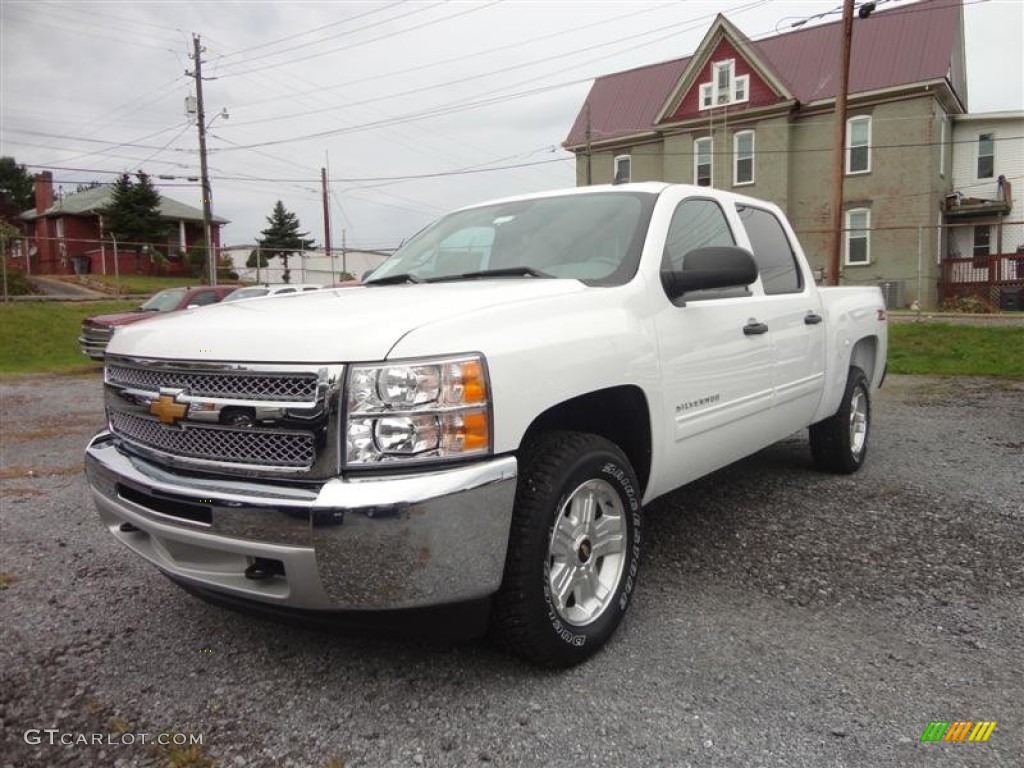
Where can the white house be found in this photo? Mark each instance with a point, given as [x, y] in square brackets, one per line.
[984, 215]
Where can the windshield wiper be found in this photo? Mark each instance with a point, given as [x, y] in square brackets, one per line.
[504, 272]
[404, 277]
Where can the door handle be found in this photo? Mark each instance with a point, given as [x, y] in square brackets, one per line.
[812, 318]
[754, 328]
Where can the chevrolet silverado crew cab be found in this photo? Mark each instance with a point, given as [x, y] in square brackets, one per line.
[482, 423]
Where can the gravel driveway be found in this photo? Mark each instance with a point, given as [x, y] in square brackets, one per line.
[784, 618]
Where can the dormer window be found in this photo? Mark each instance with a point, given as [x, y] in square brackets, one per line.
[725, 87]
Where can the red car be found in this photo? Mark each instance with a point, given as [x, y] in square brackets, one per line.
[97, 330]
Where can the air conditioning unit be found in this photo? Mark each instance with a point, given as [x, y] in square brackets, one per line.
[895, 293]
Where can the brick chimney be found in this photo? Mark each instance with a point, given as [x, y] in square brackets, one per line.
[44, 191]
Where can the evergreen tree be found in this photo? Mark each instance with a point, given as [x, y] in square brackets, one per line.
[251, 261]
[17, 193]
[282, 238]
[133, 215]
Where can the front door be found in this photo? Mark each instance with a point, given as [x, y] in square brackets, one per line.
[717, 374]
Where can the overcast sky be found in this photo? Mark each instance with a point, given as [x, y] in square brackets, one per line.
[375, 91]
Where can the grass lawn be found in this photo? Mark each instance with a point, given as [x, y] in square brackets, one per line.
[43, 336]
[135, 284]
[960, 350]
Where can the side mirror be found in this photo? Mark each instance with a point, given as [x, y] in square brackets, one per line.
[713, 267]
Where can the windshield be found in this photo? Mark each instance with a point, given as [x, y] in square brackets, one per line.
[165, 301]
[595, 238]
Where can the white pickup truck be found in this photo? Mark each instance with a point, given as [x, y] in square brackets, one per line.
[480, 425]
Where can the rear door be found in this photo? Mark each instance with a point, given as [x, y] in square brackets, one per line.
[792, 312]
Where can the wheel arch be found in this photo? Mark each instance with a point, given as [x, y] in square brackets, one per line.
[620, 414]
[865, 356]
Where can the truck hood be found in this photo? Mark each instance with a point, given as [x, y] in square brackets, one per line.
[123, 318]
[327, 326]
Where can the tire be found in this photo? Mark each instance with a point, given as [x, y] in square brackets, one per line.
[840, 442]
[574, 550]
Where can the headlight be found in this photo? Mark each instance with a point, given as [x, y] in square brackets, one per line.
[417, 410]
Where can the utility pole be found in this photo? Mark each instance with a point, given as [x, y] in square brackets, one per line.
[839, 147]
[207, 192]
[589, 159]
[327, 220]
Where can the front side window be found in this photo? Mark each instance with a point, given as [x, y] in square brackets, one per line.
[858, 144]
[596, 238]
[623, 169]
[702, 162]
[858, 236]
[986, 155]
[203, 298]
[772, 251]
[696, 223]
[743, 158]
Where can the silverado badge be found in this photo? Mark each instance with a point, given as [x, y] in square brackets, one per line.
[168, 409]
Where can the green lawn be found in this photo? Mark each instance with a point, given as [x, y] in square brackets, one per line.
[43, 336]
[961, 350]
[134, 284]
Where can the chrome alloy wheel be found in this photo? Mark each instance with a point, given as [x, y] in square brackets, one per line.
[858, 421]
[586, 554]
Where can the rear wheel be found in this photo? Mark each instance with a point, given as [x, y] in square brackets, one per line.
[840, 442]
[574, 549]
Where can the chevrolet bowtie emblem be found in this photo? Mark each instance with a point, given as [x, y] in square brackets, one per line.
[168, 409]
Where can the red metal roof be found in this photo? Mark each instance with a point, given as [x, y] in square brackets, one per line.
[908, 44]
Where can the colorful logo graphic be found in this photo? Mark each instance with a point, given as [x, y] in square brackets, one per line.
[958, 730]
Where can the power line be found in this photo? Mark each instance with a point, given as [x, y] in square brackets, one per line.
[349, 46]
[690, 23]
[455, 59]
[311, 31]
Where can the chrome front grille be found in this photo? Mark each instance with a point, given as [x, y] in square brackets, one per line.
[282, 387]
[247, 419]
[218, 444]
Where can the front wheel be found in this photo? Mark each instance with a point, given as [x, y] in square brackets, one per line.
[574, 549]
[840, 442]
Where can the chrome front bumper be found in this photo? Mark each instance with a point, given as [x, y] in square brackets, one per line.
[361, 543]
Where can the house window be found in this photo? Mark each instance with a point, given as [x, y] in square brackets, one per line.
[623, 169]
[740, 88]
[858, 144]
[60, 229]
[702, 162]
[723, 82]
[725, 87]
[858, 236]
[982, 246]
[986, 155]
[706, 96]
[942, 147]
[743, 158]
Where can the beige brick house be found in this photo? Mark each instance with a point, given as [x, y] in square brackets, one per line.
[756, 116]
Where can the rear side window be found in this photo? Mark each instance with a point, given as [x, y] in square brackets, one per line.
[696, 223]
[772, 251]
